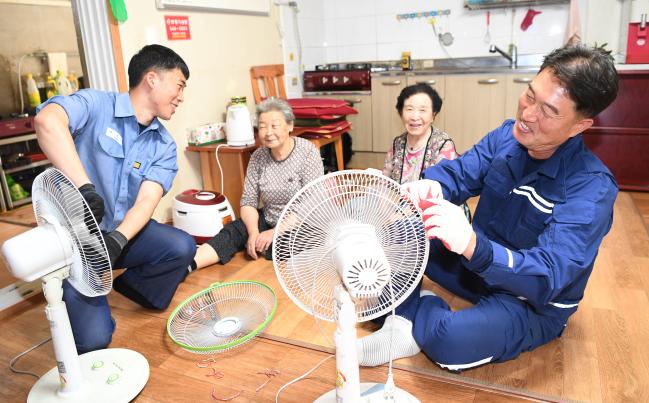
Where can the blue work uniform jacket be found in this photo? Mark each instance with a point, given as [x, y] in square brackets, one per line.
[538, 234]
[116, 153]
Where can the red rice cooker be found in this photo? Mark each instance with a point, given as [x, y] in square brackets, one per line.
[201, 213]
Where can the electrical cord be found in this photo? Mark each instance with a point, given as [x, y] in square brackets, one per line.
[298, 39]
[218, 162]
[29, 350]
[299, 378]
[20, 82]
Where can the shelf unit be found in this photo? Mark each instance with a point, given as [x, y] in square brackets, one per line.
[18, 142]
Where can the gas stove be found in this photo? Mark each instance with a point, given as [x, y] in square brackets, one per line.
[343, 66]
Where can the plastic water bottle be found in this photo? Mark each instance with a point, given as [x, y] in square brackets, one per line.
[50, 87]
[74, 81]
[62, 84]
[32, 91]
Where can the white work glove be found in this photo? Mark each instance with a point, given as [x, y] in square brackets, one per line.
[446, 221]
[422, 192]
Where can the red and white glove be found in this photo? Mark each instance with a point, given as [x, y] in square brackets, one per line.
[423, 191]
[446, 221]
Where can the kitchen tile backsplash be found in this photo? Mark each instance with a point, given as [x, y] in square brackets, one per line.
[334, 31]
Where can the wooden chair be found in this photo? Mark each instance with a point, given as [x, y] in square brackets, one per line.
[271, 76]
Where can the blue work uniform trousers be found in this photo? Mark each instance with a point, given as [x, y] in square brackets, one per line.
[498, 327]
[156, 260]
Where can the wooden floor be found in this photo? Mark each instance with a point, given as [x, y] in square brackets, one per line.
[601, 357]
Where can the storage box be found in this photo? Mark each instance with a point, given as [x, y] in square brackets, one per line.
[206, 134]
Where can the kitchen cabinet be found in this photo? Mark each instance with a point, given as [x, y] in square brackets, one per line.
[474, 105]
[437, 81]
[620, 134]
[362, 122]
[386, 122]
[514, 87]
[20, 158]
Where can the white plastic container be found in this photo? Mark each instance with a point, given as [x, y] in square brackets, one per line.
[201, 213]
[238, 126]
[63, 84]
[32, 91]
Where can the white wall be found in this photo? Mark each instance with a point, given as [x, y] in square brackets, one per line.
[367, 30]
[219, 55]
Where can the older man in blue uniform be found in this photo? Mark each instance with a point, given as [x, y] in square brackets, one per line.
[123, 160]
[546, 203]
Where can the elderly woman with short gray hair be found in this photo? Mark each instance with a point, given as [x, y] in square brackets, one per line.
[276, 171]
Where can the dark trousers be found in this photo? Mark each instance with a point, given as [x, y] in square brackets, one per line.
[233, 237]
[497, 328]
[156, 261]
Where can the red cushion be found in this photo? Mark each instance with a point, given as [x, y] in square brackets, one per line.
[328, 131]
[316, 107]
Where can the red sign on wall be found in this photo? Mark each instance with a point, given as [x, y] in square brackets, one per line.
[177, 27]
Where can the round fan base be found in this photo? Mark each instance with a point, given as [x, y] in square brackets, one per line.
[371, 392]
[109, 375]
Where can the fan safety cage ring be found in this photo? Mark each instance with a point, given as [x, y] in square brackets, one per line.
[307, 231]
[222, 316]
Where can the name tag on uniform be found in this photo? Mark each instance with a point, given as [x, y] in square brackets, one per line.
[110, 132]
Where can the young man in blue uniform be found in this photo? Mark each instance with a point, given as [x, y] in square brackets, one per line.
[115, 150]
[546, 203]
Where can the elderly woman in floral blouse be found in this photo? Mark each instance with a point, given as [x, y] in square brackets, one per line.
[422, 144]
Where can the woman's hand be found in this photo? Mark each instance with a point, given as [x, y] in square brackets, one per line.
[264, 240]
[250, 244]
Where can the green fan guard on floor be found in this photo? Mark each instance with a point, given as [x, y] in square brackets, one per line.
[223, 316]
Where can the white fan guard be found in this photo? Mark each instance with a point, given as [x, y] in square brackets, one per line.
[307, 230]
[55, 198]
[223, 316]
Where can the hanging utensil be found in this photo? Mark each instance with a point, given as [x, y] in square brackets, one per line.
[444, 38]
[487, 35]
[447, 37]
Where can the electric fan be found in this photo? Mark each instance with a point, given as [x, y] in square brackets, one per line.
[222, 317]
[71, 246]
[350, 246]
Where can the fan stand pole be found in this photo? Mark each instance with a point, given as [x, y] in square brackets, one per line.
[106, 376]
[65, 351]
[348, 386]
[347, 373]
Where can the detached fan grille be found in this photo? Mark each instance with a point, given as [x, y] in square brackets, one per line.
[222, 317]
[307, 229]
[56, 199]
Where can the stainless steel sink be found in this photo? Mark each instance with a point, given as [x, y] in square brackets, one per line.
[528, 62]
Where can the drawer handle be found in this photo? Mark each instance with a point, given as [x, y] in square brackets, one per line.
[353, 101]
[524, 80]
[429, 82]
[395, 82]
[488, 81]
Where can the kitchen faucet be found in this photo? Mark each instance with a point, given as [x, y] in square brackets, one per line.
[513, 58]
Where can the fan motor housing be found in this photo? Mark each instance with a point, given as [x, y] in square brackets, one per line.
[360, 259]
